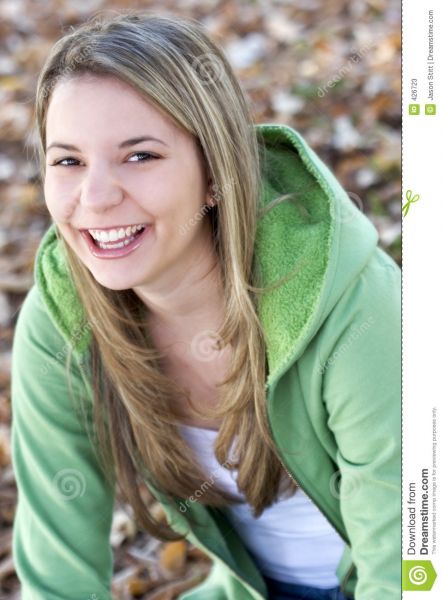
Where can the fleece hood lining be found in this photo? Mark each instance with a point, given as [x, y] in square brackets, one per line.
[295, 234]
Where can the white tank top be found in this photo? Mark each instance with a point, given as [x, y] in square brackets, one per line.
[291, 541]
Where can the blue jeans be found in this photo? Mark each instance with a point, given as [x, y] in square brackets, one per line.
[279, 590]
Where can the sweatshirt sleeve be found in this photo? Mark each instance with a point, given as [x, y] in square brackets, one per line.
[362, 392]
[61, 531]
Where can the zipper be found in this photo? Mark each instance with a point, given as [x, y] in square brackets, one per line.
[253, 590]
[245, 583]
[215, 557]
[352, 567]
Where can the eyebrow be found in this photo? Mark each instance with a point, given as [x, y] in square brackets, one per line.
[125, 144]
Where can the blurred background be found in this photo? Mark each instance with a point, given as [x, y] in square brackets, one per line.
[330, 69]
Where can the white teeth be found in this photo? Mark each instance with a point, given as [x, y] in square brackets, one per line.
[114, 234]
[119, 245]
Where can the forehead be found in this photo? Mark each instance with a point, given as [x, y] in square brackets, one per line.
[88, 105]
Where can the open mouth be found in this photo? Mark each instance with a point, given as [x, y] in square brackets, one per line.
[120, 243]
[117, 248]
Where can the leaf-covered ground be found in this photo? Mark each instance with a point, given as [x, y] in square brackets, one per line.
[329, 69]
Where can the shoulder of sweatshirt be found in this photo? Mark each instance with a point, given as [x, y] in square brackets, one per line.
[61, 531]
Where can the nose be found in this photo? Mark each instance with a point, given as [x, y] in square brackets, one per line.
[100, 190]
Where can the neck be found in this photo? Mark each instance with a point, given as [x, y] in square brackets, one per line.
[187, 307]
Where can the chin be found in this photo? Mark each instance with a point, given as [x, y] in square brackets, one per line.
[112, 284]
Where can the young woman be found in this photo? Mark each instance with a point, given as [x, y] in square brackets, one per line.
[212, 318]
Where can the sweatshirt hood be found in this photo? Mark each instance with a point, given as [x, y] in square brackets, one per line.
[318, 239]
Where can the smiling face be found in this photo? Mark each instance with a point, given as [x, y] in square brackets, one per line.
[105, 184]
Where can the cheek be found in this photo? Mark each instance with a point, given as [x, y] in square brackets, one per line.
[170, 205]
[181, 223]
[59, 201]
[178, 219]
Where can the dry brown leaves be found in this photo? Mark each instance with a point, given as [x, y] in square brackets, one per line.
[329, 69]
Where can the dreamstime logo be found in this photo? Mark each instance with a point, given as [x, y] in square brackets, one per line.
[343, 489]
[207, 345]
[69, 483]
[209, 68]
[346, 211]
[344, 208]
[417, 575]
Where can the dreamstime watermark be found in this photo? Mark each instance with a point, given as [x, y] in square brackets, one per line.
[209, 68]
[69, 484]
[345, 212]
[202, 489]
[216, 196]
[345, 205]
[207, 345]
[82, 56]
[344, 70]
[61, 354]
[194, 220]
[357, 332]
[344, 488]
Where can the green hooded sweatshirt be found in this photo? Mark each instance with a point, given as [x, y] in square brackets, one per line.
[333, 388]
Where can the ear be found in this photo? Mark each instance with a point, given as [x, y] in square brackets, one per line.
[211, 191]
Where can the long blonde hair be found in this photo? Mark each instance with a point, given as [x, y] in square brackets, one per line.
[172, 62]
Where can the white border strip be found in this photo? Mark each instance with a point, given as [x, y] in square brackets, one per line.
[422, 200]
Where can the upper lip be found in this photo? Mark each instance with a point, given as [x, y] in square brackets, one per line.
[113, 227]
